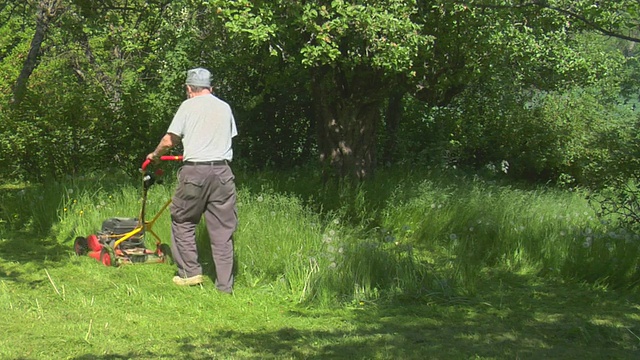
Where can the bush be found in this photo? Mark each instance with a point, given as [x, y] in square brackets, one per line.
[566, 137]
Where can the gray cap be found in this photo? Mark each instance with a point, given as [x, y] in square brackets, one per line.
[199, 77]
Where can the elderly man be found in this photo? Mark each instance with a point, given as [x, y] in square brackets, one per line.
[205, 126]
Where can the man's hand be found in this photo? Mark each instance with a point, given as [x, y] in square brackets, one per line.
[153, 157]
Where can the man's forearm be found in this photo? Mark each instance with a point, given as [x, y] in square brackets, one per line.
[167, 142]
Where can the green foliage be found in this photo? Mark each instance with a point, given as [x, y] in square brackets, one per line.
[376, 34]
[573, 135]
[415, 235]
[618, 204]
[521, 83]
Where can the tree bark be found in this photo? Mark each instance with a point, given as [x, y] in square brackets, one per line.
[46, 13]
[346, 125]
[392, 124]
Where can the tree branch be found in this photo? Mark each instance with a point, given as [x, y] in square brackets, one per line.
[568, 13]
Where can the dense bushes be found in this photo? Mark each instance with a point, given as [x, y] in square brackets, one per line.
[567, 137]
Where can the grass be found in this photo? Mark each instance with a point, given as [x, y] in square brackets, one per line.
[409, 266]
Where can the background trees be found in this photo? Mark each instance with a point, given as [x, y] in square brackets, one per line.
[355, 84]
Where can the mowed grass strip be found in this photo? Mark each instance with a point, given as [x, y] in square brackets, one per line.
[84, 310]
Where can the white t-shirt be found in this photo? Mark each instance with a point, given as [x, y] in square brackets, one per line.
[206, 126]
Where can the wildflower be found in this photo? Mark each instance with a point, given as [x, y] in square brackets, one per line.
[336, 221]
[433, 206]
[504, 166]
[81, 212]
[70, 191]
[562, 233]
[587, 242]
[65, 209]
[332, 232]
[471, 228]
[453, 237]
[260, 198]
[340, 250]
[273, 213]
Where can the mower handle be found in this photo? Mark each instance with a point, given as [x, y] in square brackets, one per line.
[162, 158]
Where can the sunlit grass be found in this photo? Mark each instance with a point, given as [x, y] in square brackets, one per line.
[390, 269]
[400, 235]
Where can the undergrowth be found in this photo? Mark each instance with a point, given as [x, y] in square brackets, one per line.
[404, 235]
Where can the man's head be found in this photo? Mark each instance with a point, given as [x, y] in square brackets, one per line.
[198, 79]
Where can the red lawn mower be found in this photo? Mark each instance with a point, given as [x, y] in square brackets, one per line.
[122, 240]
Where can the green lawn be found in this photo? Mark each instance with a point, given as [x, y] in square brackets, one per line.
[59, 306]
[422, 269]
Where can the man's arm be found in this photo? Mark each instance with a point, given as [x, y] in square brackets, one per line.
[167, 142]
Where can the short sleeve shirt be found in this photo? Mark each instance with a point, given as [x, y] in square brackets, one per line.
[206, 126]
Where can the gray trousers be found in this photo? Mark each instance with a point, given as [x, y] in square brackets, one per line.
[208, 190]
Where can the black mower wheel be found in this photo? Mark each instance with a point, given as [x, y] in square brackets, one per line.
[80, 246]
[166, 253]
[107, 256]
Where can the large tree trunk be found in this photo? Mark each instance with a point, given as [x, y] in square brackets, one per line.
[346, 125]
[47, 11]
[392, 125]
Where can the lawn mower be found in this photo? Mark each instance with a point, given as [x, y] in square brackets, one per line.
[121, 239]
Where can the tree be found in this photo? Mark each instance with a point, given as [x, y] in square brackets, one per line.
[359, 54]
[355, 53]
[87, 100]
[620, 18]
[47, 11]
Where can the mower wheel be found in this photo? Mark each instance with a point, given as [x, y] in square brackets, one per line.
[108, 256]
[80, 246]
[166, 253]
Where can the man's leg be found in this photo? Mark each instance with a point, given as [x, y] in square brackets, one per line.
[186, 209]
[184, 250]
[222, 220]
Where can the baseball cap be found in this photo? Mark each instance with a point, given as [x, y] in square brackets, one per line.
[198, 77]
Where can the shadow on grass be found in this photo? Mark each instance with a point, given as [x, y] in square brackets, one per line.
[23, 252]
[26, 221]
[514, 318]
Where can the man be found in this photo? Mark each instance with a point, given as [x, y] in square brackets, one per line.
[205, 125]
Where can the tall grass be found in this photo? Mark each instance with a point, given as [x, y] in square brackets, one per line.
[404, 234]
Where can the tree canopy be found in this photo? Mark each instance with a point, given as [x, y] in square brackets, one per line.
[334, 80]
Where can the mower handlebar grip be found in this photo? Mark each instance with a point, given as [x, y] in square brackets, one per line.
[162, 158]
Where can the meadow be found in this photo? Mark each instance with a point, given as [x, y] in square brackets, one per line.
[415, 264]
